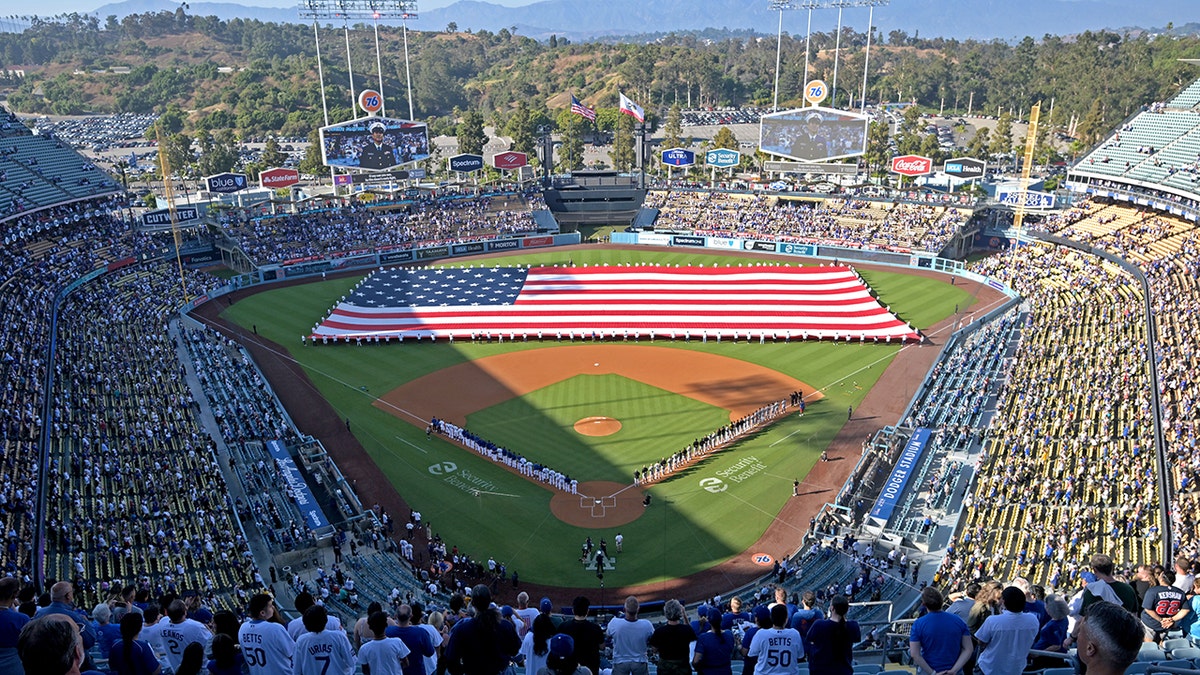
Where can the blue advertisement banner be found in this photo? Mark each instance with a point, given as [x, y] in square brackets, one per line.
[301, 494]
[906, 466]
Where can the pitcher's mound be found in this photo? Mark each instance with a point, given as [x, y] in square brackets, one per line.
[597, 426]
[599, 504]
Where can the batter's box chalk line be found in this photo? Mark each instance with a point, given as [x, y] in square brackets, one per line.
[598, 506]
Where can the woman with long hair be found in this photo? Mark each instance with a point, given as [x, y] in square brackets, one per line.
[536, 646]
[714, 648]
[193, 660]
[132, 656]
[483, 644]
[226, 658]
[831, 641]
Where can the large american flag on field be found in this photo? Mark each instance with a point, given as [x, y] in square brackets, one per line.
[614, 302]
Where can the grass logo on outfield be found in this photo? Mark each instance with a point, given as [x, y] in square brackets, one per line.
[443, 468]
[713, 485]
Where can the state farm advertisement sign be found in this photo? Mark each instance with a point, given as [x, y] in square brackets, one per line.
[510, 160]
[912, 165]
[278, 178]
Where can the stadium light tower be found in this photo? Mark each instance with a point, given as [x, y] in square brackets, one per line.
[810, 5]
[780, 5]
[346, 10]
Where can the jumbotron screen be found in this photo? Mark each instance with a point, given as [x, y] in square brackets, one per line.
[813, 134]
[374, 144]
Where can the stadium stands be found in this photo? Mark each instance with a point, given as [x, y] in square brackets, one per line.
[842, 222]
[406, 225]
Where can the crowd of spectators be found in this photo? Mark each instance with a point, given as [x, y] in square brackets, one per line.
[1068, 464]
[273, 239]
[850, 223]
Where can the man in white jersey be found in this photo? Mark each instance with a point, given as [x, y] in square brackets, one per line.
[266, 645]
[304, 600]
[321, 651]
[777, 649]
[629, 639]
[179, 632]
[382, 655]
[527, 614]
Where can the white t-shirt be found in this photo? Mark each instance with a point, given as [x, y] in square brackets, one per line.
[383, 656]
[629, 639]
[533, 662]
[267, 647]
[175, 637]
[296, 628]
[436, 637]
[778, 651]
[324, 653]
[527, 616]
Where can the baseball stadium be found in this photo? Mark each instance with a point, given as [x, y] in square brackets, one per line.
[602, 385]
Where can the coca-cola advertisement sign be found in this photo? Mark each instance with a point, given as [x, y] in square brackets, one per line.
[912, 165]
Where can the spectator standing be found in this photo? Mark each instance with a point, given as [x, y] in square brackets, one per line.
[321, 651]
[940, 643]
[587, 638]
[226, 659]
[1109, 639]
[483, 644]
[62, 601]
[762, 619]
[714, 649]
[415, 638]
[266, 645]
[383, 655]
[11, 623]
[179, 631]
[51, 645]
[672, 640]
[1005, 638]
[831, 641]
[1164, 606]
[777, 650]
[131, 656]
[561, 660]
[630, 636]
[1052, 635]
[535, 647]
[804, 618]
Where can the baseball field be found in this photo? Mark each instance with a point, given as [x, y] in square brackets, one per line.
[597, 412]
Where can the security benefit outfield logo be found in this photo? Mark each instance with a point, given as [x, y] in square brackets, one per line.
[374, 144]
[742, 470]
[464, 480]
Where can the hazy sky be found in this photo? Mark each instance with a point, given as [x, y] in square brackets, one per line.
[52, 7]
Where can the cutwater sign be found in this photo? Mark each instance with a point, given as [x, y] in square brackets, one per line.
[1030, 200]
[162, 217]
[466, 163]
[678, 157]
[722, 158]
[226, 183]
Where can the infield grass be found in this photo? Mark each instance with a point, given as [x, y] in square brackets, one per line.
[486, 510]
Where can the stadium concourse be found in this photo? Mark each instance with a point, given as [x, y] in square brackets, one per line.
[138, 443]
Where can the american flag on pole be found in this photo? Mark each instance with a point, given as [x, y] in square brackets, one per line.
[579, 108]
[614, 302]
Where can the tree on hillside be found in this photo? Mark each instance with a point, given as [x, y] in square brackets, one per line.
[272, 155]
[520, 127]
[673, 128]
[471, 137]
[909, 136]
[724, 138]
[623, 155]
[978, 147]
[1091, 127]
[177, 148]
[571, 128]
[1001, 141]
[878, 151]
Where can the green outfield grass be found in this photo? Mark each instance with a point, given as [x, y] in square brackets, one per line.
[489, 511]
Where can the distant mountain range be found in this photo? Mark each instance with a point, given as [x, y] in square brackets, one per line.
[587, 19]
